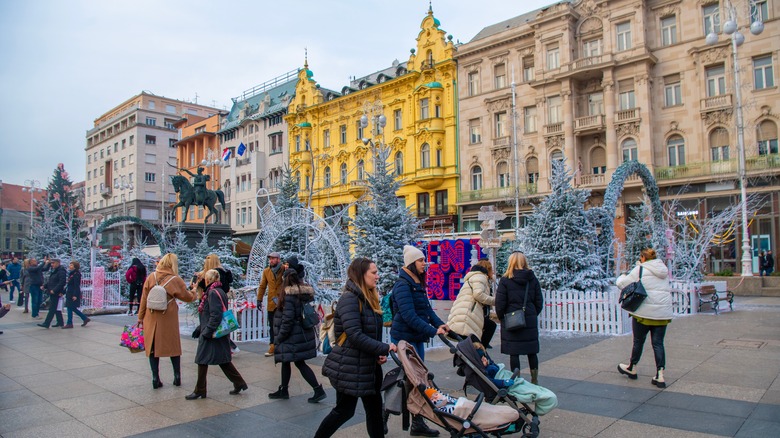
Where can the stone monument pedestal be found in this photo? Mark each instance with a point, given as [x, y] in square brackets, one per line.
[194, 232]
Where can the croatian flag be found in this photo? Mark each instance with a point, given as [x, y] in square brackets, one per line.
[226, 154]
[241, 149]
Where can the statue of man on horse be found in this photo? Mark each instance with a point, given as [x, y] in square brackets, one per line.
[197, 194]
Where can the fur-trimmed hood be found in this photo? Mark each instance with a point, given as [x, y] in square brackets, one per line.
[303, 289]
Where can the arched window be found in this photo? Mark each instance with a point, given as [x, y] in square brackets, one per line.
[719, 144]
[532, 169]
[343, 173]
[556, 156]
[476, 178]
[598, 161]
[425, 156]
[399, 163]
[298, 179]
[502, 170]
[326, 176]
[361, 170]
[629, 149]
[767, 137]
[676, 148]
[430, 58]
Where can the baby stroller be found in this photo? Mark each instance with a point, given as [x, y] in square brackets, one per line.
[412, 385]
[469, 364]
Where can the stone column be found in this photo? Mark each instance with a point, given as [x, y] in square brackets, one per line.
[643, 87]
[568, 126]
[611, 147]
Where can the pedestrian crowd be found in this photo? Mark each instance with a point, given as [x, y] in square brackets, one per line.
[353, 366]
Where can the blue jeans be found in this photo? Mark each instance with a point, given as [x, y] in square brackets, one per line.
[36, 296]
[75, 310]
[419, 347]
[14, 285]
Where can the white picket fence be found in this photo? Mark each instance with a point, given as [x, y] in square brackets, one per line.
[585, 312]
[101, 289]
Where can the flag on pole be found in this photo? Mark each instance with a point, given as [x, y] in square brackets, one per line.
[225, 154]
[241, 149]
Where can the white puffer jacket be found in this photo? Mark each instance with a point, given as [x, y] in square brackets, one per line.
[466, 316]
[655, 279]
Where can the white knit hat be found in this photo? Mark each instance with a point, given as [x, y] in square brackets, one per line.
[412, 254]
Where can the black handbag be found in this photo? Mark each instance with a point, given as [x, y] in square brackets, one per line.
[516, 320]
[633, 295]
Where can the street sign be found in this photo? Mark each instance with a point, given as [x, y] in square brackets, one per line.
[489, 212]
[490, 243]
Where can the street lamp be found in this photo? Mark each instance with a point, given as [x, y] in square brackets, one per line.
[212, 159]
[32, 186]
[122, 184]
[731, 28]
[379, 120]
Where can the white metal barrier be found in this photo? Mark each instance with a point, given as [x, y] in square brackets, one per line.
[101, 289]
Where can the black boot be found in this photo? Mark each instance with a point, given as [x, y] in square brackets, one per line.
[419, 428]
[280, 394]
[319, 395]
[154, 363]
[176, 362]
[385, 417]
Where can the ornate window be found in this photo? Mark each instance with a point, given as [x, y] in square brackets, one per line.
[343, 173]
[676, 148]
[532, 170]
[502, 171]
[399, 163]
[476, 178]
[361, 170]
[767, 137]
[719, 144]
[598, 161]
[326, 176]
[425, 156]
[630, 151]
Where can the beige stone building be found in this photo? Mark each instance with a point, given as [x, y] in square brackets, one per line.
[127, 151]
[601, 82]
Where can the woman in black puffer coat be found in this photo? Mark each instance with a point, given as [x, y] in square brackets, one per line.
[509, 297]
[355, 367]
[293, 343]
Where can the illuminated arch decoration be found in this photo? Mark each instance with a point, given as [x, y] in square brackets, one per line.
[615, 189]
[144, 224]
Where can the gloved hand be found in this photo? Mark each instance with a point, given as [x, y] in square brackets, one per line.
[508, 383]
[259, 304]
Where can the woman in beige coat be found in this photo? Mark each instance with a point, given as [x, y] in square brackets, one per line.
[161, 329]
[467, 316]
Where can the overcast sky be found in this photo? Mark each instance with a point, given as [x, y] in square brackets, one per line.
[64, 63]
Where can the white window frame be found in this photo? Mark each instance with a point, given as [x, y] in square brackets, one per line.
[475, 131]
[592, 47]
[499, 76]
[668, 30]
[711, 18]
[715, 77]
[623, 36]
[500, 120]
[473, 83]
[553, 56]
[627, 100]
[675, 148]
[673, 94]
[476, 178]
[530, 119]
[763, 72]
[629, 150]
[554, 110]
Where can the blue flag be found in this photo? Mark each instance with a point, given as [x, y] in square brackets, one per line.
[241, 149]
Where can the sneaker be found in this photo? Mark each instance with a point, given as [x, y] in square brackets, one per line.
[628, 370]
[234, 350]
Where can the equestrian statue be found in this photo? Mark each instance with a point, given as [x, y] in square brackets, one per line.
[197, 194]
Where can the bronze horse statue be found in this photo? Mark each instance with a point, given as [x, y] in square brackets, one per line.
[187, 197]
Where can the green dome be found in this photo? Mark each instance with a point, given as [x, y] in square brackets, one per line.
[304, 125]
[433, 85]
[309, 73]
[436, 22]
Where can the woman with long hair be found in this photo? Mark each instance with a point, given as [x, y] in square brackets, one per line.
[73, 295]
[355, 366]
[294, 343]
[198, 284]
[161, 328]
[414, 321]
[518, 281]
[211, 350]
[652, 316]
[135, 276]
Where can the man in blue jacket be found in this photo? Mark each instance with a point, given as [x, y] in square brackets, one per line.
[35, 278]
[14, 273]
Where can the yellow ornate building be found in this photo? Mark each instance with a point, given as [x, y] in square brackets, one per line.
[330, 151]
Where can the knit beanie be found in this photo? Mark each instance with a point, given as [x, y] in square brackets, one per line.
[412, 254]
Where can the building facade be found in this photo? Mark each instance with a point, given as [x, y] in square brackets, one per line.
[417, 98]
[256, 120]
[129, 152]
[199, 148]
[16, 218]
[599, 83]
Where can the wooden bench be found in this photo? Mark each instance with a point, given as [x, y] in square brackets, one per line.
[709, 294]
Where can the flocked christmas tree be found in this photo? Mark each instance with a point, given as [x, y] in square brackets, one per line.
[293, 241]
[639, 232]
[382, 226]
[559, 239]
[226, 251]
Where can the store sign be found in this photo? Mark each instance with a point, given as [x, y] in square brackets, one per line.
[448, 262]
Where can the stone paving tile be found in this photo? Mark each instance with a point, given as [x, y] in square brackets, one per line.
[98, 371]
[587, 404]
[19, 418]
[771, 397]
[559, 422]
[34, 368]
[716, 390]
[8, 384]
[615, 392]
[128, 422]
[44, 379]
[716, 423]
[18, 398]
[768, 412]
[190, 430]
[758, 428]
[66, 390]
[284, 409]
[193, 410]
[62, 429]
[623, 428]
[93, 404]
[703, 404]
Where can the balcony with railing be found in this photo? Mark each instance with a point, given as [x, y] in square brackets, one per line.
[627, 115]
[587, 64]
[496, 193]
[358, 187]
[594, 123]
[553, 128]
[429, 178]
[757, 164]
[593, 180]
[501, 141]
[714, 103]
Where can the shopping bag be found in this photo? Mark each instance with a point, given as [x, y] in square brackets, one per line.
[229, 322]
[133, 338]
[60, 303]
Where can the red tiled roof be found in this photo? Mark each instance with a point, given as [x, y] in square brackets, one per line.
[13, 198]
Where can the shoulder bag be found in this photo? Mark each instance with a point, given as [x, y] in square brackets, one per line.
[516, 320]
[228, 323]
[632, 295]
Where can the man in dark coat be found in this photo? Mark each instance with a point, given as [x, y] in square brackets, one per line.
[55, 287]
[14, 274]
[769, 263]
[35, 278]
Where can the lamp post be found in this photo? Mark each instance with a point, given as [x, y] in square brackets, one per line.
[379, 120]
[732, 29]
[122, 184]
[32, 186]
[212, 159]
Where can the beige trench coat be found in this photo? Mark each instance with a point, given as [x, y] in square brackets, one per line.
[161, 329]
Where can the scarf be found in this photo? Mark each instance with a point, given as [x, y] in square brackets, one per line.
[203, 300]
[275, 269]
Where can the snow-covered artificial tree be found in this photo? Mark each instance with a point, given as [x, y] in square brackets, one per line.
[293, 241]
[639, 232]
[226, 251]
[382, 226]
[559, 238]
[176, 243]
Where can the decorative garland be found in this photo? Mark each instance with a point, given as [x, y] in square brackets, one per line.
[145, 224]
